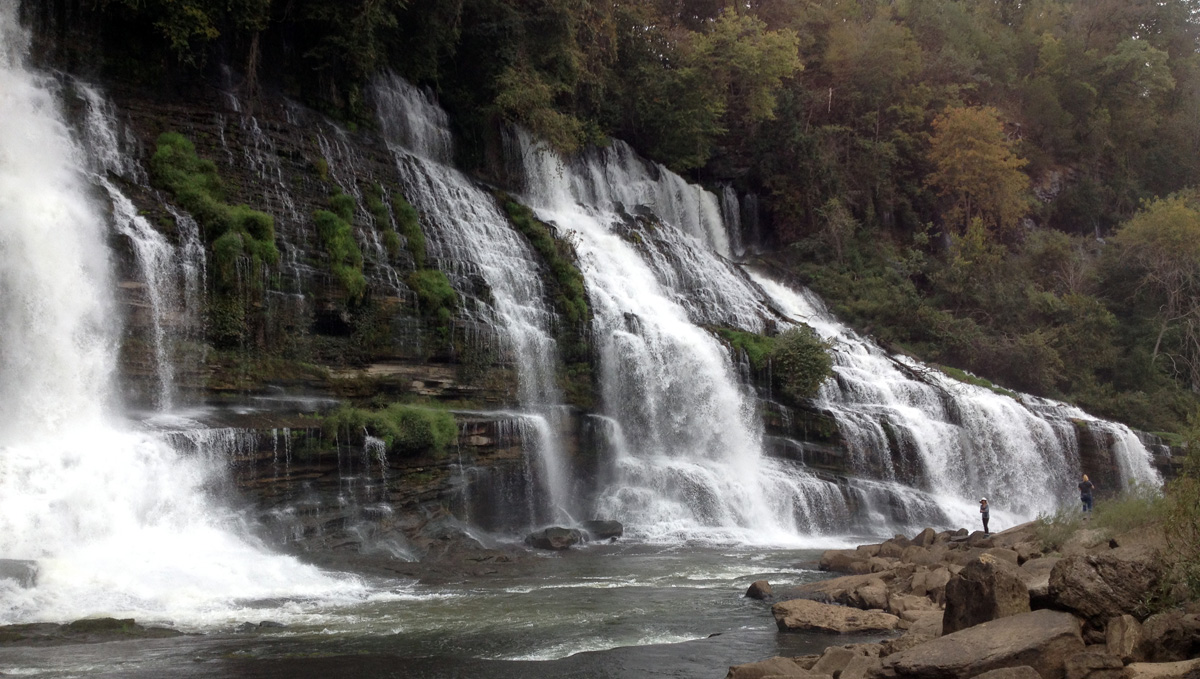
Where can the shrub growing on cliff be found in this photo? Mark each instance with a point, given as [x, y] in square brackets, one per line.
[337, 236]
[569, 290]
[800, 362]
[406, 430]
[409, 225]
[757, 347]
[434, 293]
[233, 232]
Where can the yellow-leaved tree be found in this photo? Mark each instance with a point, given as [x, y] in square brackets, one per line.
[976, 170]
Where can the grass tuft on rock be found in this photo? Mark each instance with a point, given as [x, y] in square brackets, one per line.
[406, 430]
[337, 237]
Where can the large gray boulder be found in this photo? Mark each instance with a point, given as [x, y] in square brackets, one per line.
[598, 529]
[802, 615]
[1042, 640]
[1102, 586]
[986, 589]
[554, 538]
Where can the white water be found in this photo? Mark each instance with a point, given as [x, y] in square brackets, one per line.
[118, 521]
[962, 442]
[687, 443]
[473, 239]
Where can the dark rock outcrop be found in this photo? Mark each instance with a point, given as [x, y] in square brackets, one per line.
[554, 538]
[986, 589]
[1103, 586]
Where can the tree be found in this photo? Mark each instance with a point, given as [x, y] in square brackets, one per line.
[976, 169]
[1162, 244]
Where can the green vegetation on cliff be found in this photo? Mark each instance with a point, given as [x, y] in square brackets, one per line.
[797, 361]
[570, 295]
[233, 232]
[336, 231]
[406, 430]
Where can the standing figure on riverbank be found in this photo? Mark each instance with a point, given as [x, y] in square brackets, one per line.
[983, 514]
[1085, 494]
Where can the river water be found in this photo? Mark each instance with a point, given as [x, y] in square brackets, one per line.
[605, 610]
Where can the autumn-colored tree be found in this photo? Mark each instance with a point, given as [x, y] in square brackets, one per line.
[976, 169]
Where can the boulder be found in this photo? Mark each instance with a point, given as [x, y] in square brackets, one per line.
[895, 547]
[860, 667]
[1123, 638]
[839, 590]
[1162, 670]
[772, 667]
[834, 660]
[1036, 573]
[931, 583]
[1022, 672]
[871, 596]
[843, 561]
[1042, 640]
[925, 538]
[1009, 555]
[1099, 587]
[898, 604]
[985, 590]
[926, 624]
[598, 529]
[759, 589]
[868, 551]
[803, 615]
[20, 571]
[1094, 663]
[1171, 636]
[554, 538]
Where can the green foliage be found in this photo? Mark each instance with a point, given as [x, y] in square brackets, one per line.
[337, 237]
[409, 224]
[757, 347]
[233, 232]
[434, 293]
[1139, 507]
[800, 362]
[406, 430]
[963, 376]
[1054, 530]
[570, 294]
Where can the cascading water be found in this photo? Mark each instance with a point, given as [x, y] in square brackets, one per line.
[117, 520]
[691, 465]
[473, 239]
[955, 441]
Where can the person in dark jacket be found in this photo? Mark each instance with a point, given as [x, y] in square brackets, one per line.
[1085, 493]
[983, 513]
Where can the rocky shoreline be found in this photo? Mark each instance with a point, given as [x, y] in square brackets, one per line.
[999, 606]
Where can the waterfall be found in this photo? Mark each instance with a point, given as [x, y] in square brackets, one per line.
[119, 522]
[687, 463]
[956, 441]
[473, 240]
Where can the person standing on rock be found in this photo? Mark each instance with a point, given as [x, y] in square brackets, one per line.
[1085, 494]
[983, 514]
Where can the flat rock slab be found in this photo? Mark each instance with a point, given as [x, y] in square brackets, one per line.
[1042, 640]
[801, 615]
[1161, 670]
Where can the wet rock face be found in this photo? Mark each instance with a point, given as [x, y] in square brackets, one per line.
[555, 538]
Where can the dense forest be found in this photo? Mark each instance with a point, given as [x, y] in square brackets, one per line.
[1004, 187]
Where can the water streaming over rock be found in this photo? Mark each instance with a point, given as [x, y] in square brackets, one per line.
[914, 425]
[471, 239]
[119, 522]
[687, 459]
